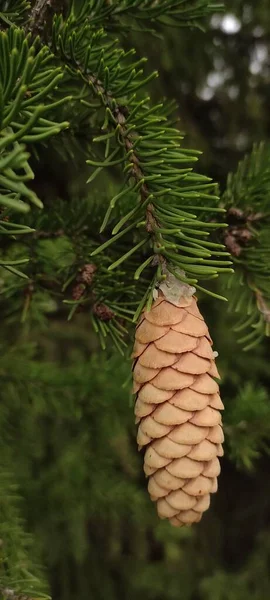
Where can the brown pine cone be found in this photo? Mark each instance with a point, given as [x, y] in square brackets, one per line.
[177, 407]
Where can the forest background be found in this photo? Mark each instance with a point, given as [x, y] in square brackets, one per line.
[76, 501]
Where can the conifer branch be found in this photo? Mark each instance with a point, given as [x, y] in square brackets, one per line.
[248, 239]
[141, 140]
[140, 137]
[117, 14]
[161, 213]
[121, 115]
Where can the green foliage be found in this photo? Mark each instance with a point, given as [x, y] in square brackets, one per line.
[94, 472]
[165, 207]
[247, 425]
[27, 81]
[17, 547]
[117, 14]
[71, 440]
[248, 193]
[138, 138]
[14, 11]
[251, 583]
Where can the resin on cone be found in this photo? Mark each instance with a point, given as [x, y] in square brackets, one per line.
[178, 408]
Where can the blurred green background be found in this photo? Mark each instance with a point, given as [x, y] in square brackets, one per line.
[76, 458]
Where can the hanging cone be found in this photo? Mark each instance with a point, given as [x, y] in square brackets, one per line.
[177, 407]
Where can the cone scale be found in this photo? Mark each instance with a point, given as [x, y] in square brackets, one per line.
[177, 408]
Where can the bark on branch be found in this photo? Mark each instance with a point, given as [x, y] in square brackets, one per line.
[41, 14]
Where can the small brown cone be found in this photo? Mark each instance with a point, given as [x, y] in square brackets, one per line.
[177, 407]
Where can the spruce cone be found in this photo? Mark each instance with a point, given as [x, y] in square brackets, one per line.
[177, 407]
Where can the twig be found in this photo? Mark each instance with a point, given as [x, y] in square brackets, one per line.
[121, 114]
[41, 12]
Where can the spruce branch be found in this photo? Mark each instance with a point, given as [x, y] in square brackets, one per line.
[119, 14]
[164, 206]
[28, 82]
[127, 138]
[246, 199]
[139, 138]
[163, 224]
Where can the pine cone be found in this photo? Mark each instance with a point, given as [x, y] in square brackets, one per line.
[177, 407]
